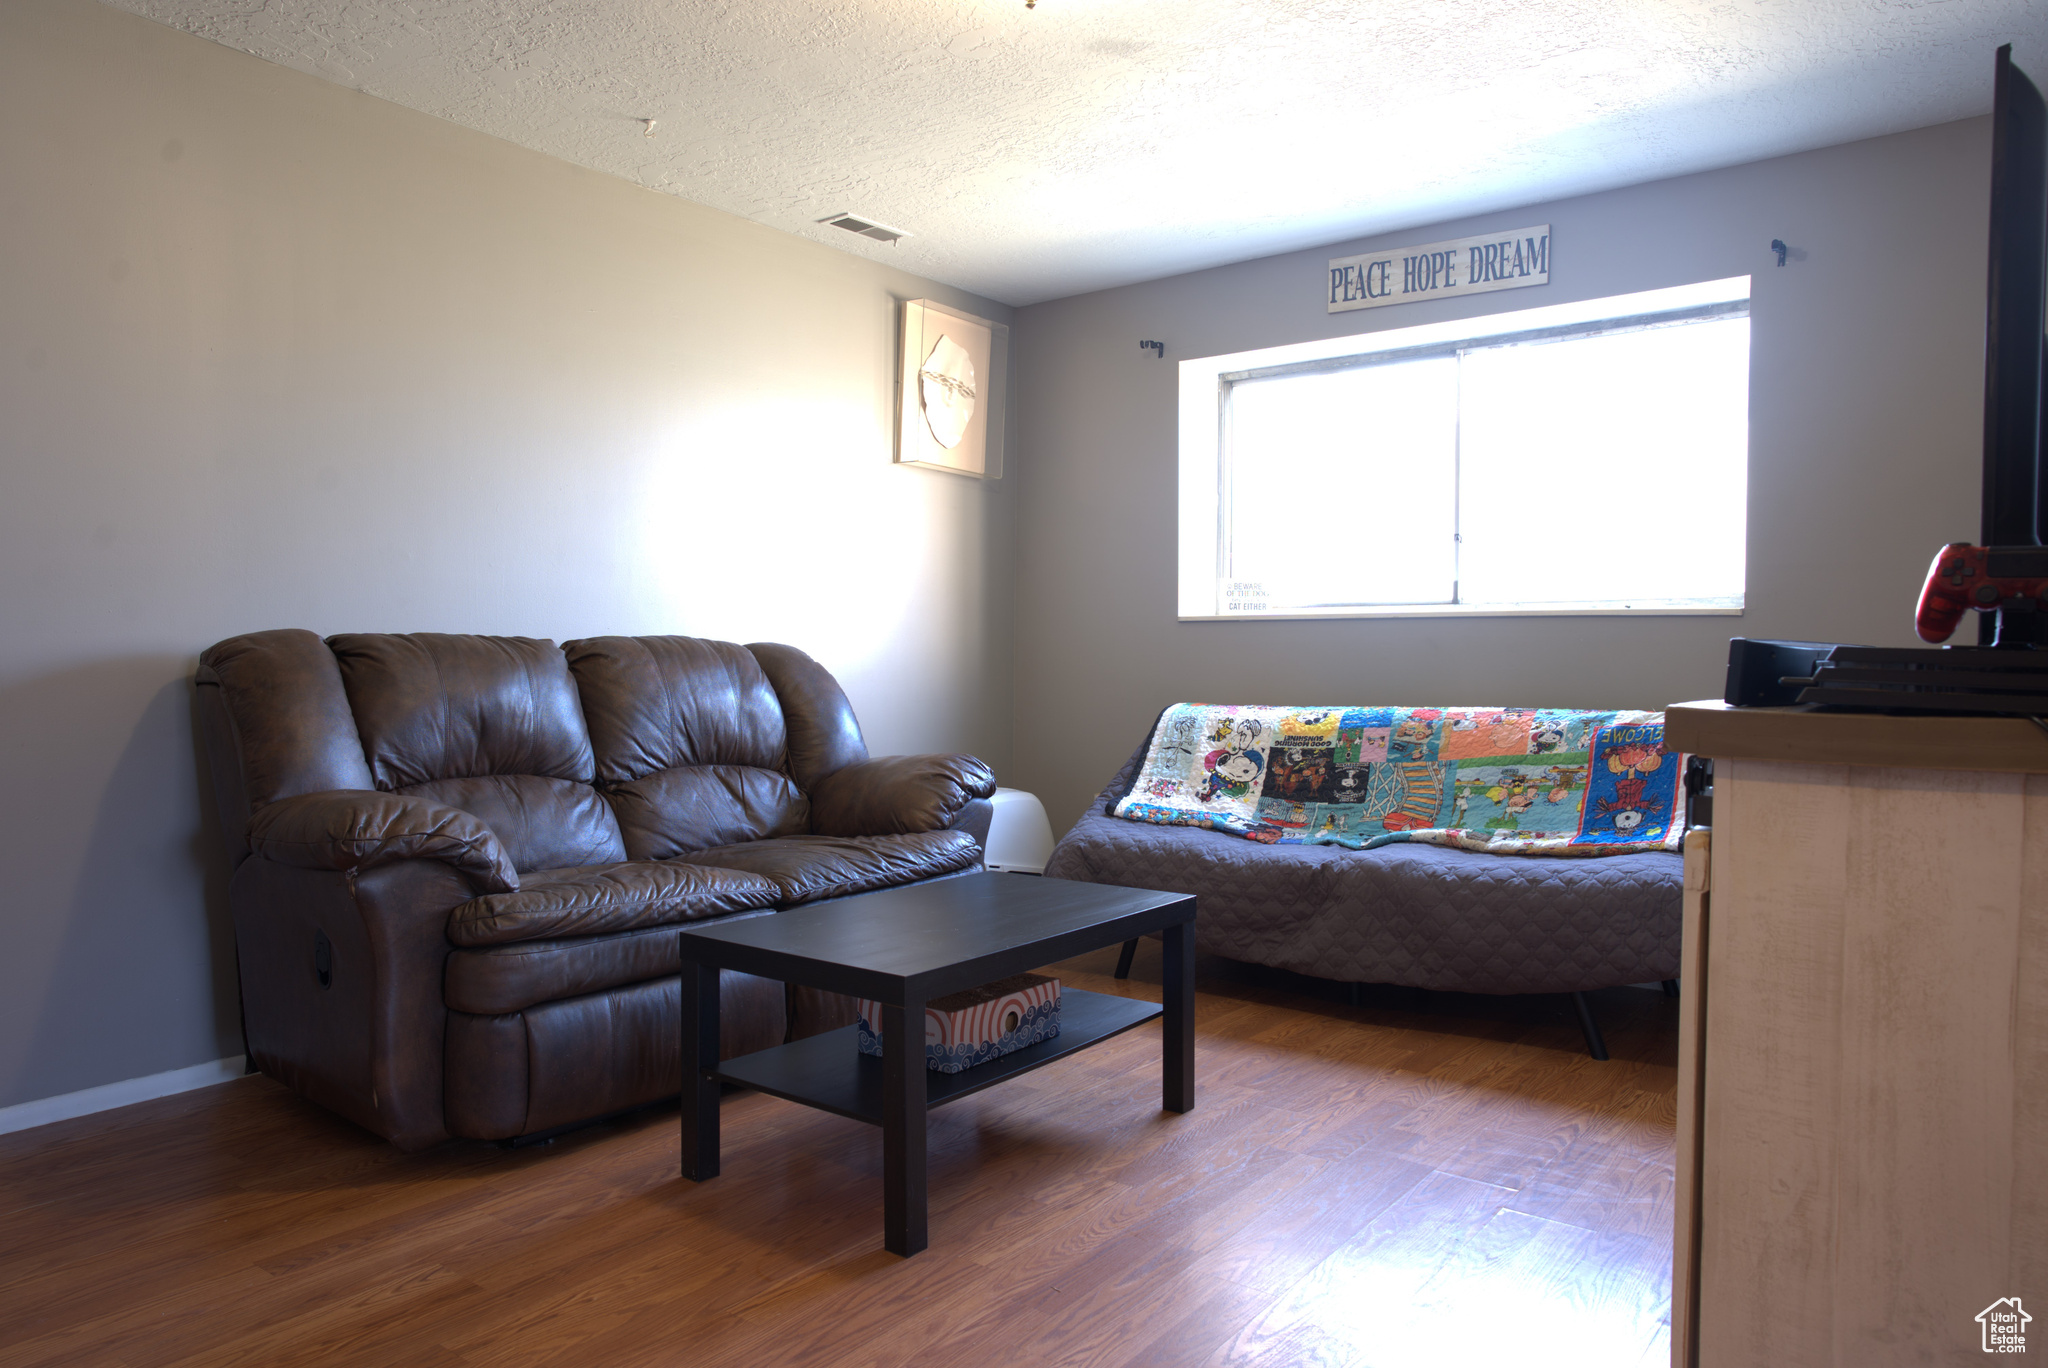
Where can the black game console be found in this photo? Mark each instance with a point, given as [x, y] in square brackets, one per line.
[1759, 671]
[1979, 681]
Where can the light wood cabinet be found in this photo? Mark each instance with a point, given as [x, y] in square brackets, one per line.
[1863, 1076]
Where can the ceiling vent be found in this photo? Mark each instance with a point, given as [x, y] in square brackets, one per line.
[867, 228]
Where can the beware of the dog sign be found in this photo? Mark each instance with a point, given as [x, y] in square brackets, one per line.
[1473, 265]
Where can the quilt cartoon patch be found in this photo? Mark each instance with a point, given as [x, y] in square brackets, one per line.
[1507, 781]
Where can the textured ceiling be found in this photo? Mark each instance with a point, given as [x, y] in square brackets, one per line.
[1087, 143]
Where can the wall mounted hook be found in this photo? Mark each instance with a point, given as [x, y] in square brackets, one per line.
[1159, 347]
[1778, 246]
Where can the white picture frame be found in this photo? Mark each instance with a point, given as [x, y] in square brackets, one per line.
[949, 391]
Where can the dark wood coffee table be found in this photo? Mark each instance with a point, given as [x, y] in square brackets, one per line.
[904, 947]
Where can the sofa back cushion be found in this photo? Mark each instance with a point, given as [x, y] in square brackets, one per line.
[543, 822]
[487, 724]
[689, 743]
[824, 735]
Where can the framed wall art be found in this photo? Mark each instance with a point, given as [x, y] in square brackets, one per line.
[949, 409]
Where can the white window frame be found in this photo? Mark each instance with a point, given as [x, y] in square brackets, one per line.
[1204, 391]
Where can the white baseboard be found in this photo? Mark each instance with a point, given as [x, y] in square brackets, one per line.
[107, 1096]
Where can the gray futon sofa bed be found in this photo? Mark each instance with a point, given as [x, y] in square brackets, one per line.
[1420, 916]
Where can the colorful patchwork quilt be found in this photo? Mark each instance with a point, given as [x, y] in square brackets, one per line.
[1507, 781]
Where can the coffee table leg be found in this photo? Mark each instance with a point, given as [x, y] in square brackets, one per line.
[1177, 1086]
[903, 1128]
[700, 1057]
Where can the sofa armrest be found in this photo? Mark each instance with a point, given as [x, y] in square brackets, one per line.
[975, 819]
[341, 975]
[898, 794]
[353, 830]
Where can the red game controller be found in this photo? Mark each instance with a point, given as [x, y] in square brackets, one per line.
[1986, 578]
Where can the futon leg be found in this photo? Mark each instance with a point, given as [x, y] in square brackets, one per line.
[1123, 961]
[1595, 1046]
[1670, 988]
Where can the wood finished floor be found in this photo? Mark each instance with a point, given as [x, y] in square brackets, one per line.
[1424, 1180]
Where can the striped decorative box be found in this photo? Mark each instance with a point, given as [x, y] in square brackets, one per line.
[972, 1027]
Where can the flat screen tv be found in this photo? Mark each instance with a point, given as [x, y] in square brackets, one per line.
[2015, 482]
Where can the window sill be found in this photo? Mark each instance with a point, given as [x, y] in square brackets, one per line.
[1409, 610]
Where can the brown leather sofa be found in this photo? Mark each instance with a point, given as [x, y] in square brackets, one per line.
[459, 861]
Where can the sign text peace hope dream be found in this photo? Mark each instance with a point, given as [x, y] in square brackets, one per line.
[1402, 275]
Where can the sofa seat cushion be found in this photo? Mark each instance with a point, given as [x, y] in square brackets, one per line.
[492, 979]
[807, 868]
[552, 904]
[1417, 915]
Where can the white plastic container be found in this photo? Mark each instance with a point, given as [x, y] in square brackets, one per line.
[1019, 836]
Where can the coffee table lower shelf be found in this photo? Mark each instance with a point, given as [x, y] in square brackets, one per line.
[830, 1073]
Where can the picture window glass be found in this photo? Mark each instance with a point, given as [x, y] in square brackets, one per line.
[1543, 468]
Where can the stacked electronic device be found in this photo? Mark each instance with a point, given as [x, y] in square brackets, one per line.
[1956, 679]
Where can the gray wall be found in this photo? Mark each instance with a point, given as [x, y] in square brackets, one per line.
[1865, 408]
[273, 353]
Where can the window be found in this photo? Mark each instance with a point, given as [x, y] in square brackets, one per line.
[1585, 458]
